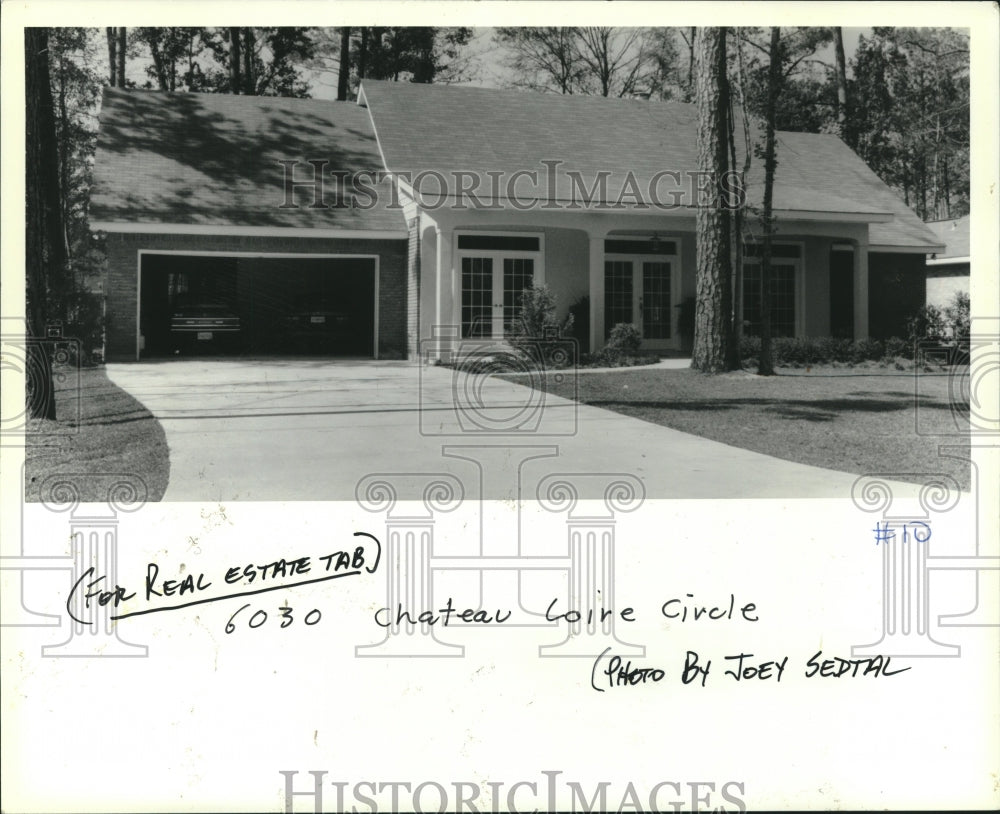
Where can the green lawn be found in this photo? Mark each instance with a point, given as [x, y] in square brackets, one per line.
[860, 420]
[100, 430]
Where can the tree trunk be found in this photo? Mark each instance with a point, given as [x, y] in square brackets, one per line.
[112, 56]
[363, 54]
[690, 84]
[249, 81]
[765, 366]
[43, 224]
[154, 50]
[738, 215]
[838, 39]
[121, 57]
[234, 60]
[736, 237]
[936, 168]
[947, 189]
[63, 143]
[714, 349]
[190, 70]
[344, 73]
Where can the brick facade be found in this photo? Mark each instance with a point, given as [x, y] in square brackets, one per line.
[395, 271]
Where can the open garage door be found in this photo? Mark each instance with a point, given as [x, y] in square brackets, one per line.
[260, 305]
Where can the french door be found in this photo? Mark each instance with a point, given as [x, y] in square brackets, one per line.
[494, 276]
[641, 291]
[491, 293]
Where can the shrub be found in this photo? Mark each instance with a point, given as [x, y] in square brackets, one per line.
[926, 322]
[537, 316]
[622, 349]
[749, 348]
[625, 337]
[798, 352]
[537, 321]
[792, 351]
[957, 318]
[947, 328]
[608, 357]
[834, 349]
[867, 350]
[894, 347]
[83, 321]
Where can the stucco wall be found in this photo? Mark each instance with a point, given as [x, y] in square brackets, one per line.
[567, 255]
[945, 281]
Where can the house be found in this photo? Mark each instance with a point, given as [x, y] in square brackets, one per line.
[426, 209]
[189, 191]
[948, 270]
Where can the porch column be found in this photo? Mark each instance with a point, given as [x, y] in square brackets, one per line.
[444, 278]
[596, 293]
[861, 289]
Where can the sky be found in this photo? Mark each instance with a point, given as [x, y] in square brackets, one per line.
[492, 72]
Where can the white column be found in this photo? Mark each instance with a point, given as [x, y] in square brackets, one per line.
[861, 289]
[596, 292]
[445, 322]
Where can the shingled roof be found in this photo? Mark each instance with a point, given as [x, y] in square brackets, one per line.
[212, 160]
[444, 129]
[954, 234]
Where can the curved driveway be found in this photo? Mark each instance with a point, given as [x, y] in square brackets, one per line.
[311, 429]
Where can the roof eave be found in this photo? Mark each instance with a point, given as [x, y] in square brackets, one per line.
[887, 248]
[161, 228]
[843, 217]
[947, 261]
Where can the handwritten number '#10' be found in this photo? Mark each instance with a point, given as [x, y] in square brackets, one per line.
[260, 617]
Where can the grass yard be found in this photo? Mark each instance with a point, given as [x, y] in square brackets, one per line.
[859, 420]
[100, 430]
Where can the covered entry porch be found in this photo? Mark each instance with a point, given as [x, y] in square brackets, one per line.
[627, 267]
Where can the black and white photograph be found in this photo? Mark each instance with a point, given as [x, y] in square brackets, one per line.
[636, 380]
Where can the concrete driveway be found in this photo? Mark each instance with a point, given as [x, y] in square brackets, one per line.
[304, 429]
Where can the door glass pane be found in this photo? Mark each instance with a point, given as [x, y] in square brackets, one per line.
[477, 296]
[518, 274]
[655, 300]
[617, 293]
[782, 299]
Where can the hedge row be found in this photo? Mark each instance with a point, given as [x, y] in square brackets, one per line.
[825, 350]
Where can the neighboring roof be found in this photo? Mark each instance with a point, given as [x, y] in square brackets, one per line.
[954, 234]
[204, 159]
[446, 128]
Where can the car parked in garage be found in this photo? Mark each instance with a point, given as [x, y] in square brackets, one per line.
[197, 324]
[317, 325]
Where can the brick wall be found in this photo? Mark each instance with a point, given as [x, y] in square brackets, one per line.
[395, 272]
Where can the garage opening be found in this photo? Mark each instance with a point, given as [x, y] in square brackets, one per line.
[223, 304]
